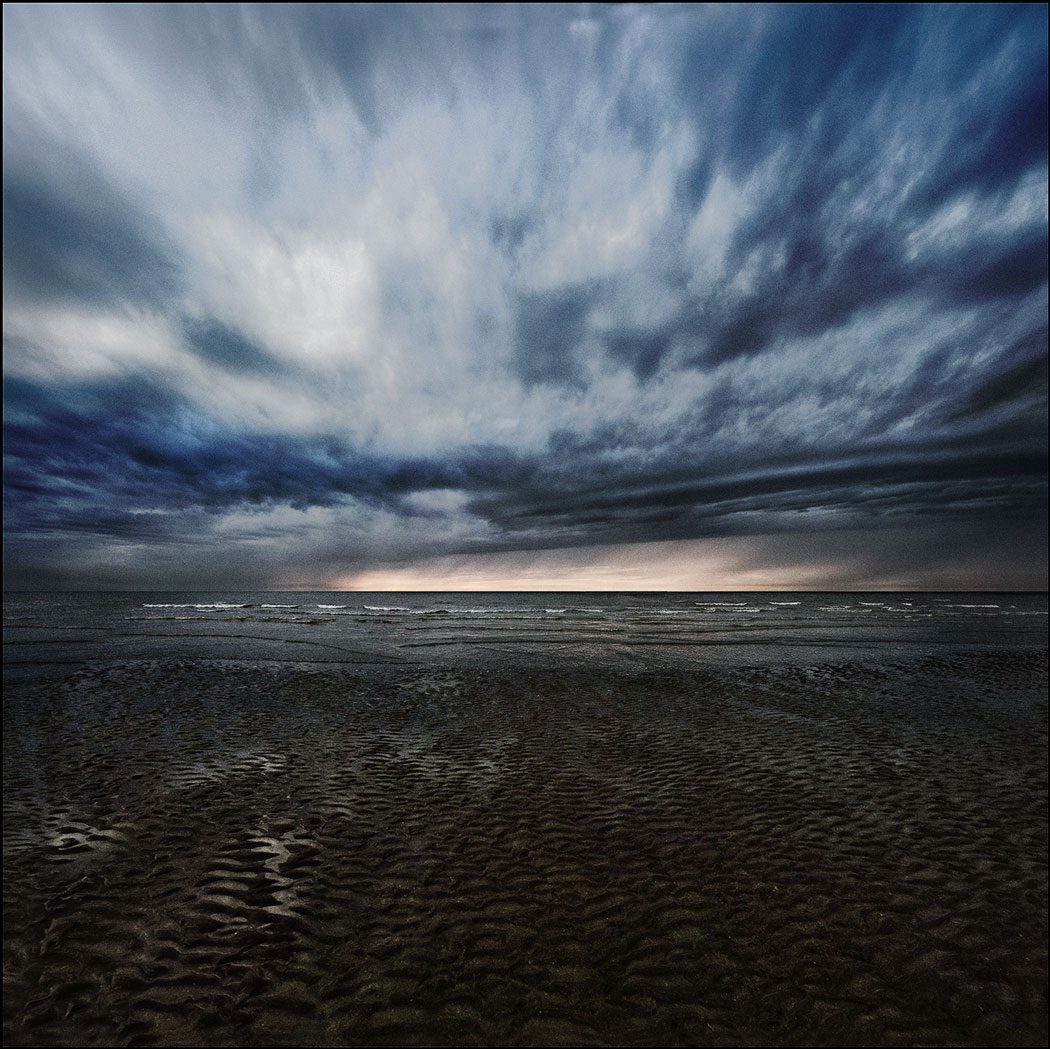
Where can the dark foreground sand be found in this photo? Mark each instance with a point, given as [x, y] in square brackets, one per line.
[214, 853]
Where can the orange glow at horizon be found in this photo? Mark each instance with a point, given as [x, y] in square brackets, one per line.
[686, 565]
[834, 560]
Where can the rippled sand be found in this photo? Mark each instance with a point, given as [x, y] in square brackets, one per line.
[222, 853]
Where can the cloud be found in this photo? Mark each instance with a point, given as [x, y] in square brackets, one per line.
[466, 282]
[229, 349]
[71, 236]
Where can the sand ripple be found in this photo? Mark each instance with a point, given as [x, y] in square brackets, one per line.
[224, 854]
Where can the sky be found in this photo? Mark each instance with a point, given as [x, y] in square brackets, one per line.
[525, 297]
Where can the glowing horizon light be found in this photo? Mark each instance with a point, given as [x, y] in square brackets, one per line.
[830, 561]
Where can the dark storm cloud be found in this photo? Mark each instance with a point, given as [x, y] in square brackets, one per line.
[116, 447]
[819, 72]
[831, 86]
[514, 278]
[550, 327]
[131, 442]
[999, 469]
[816, 68]
[229, 349]
[998, 270]
[639, 350]
[68, 234]
[1022, 384]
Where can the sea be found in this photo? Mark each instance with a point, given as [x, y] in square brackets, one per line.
[68, 628]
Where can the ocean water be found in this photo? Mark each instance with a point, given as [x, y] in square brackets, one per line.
[647, 628]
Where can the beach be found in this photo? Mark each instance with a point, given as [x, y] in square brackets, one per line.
[531, 845]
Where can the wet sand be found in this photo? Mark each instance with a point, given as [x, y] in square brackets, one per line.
[232, 853]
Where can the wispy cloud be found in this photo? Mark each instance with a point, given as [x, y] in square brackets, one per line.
[307, 290]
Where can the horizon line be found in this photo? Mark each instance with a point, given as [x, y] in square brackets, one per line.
[498, 590]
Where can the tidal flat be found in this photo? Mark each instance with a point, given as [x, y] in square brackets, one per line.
[487, 842]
